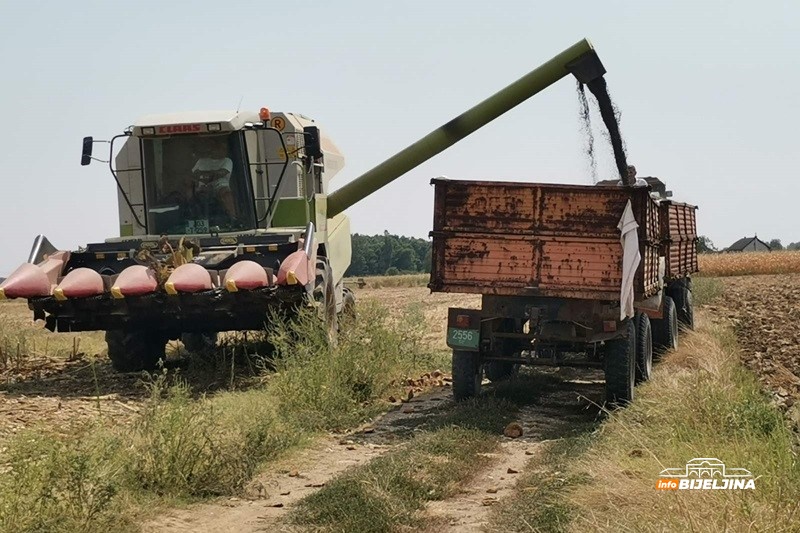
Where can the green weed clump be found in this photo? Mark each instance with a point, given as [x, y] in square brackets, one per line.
[182, 446]
[330, 386]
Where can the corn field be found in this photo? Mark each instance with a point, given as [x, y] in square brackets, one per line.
[749, 263]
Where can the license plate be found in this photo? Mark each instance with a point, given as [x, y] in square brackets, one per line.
[463, 338]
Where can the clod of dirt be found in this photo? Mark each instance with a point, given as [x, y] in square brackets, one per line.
[636, 452]
[351, 448]
[492, 490]
[407, 409]
[315, 485]
[368, 430]
[392, 399]
[513, 430]
[489, 501]
[528, 452]
[512, 471]
[279, 504]
[294, 473]
[286, 493]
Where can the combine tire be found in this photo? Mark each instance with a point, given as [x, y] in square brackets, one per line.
[133, 351]
[348, 306]
[202, 344]
[500, 370]
[620, 367]
[665, 330]
[325, 297]
[467, 374]
[644, 348]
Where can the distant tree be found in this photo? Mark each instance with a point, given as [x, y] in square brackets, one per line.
[775, 245]
[375, 255]
[793, 246]
[705, 246]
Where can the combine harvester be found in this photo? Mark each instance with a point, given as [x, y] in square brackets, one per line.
[225, 216]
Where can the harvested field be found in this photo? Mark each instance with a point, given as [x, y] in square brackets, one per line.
[765, 311]
[749, 263]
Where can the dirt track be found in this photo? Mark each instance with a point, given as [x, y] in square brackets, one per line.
[563, 405]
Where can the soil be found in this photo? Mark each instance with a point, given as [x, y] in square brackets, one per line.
[765, 311]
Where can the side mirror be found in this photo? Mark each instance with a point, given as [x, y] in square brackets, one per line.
[313, 146]
[86, 155]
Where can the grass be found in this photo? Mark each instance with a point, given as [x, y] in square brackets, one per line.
[388, 491]
[182, 447]
[706, 290]
[700, 403]
[749, 263]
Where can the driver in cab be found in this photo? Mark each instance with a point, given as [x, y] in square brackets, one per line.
[212, 172]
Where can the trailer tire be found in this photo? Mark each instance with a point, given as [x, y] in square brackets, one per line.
[644, 348]
[620, 367]
[202, 344]
[325, 297]
[135, 350]
[665, 330]
[467, 374]
[500, 370]
[684, 306]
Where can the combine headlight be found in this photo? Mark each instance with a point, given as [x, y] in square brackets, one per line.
[216, 126]
[148, 131]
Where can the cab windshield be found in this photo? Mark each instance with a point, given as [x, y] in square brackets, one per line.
[197, 184]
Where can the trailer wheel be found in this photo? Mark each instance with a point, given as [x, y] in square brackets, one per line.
[326, 297]
[620, 367]
[644, 348]
[684, 307]
[500, 370]
[665, 330]
[202, 344]
[135, 350]
[467, 374]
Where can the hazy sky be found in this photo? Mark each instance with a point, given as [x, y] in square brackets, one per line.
[708, 93]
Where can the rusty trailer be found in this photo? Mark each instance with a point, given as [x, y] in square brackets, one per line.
[548, 260]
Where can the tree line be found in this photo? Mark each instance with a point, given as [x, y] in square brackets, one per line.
[387, 254]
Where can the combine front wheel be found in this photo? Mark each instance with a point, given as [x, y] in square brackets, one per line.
[325, 297]
[135, 350]
[201, 344]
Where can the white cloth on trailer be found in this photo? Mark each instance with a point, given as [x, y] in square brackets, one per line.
[629, 238]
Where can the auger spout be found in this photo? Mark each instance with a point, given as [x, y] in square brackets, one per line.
[579, 59]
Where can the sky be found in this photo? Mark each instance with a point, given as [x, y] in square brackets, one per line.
[708, 92]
